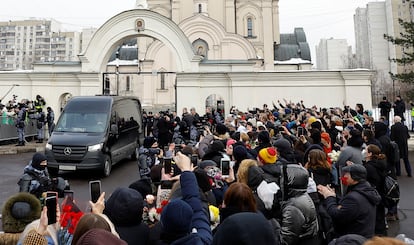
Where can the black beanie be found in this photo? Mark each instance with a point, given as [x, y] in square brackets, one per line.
[263, 137]
[37, 159]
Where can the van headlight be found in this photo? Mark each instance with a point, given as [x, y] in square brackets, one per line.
[96, 147]
[48, 146]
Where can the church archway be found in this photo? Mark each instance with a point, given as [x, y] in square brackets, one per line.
[133, 23]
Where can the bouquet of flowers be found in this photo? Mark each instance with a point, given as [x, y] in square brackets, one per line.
[151, 214]
[334, 155]
[69, 218]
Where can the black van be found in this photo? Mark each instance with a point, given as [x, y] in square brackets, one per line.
[95, 132]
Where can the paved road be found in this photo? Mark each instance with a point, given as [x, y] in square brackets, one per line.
[11, 167]
[124, 173]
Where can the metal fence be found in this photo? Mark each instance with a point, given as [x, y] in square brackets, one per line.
[8, 129]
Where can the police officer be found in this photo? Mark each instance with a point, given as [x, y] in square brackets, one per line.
[39, 102]
[41, 119]
[50, 119]
[20, 122]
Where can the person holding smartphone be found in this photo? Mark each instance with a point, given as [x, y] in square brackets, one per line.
[184, 219]
[40, 231]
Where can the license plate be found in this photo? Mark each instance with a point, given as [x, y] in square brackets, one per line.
[65, 167]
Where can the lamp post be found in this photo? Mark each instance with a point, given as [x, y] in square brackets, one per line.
[117, 72]
[4, 96]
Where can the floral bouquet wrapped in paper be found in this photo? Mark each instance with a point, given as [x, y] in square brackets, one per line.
[69, 218]
[334, 155]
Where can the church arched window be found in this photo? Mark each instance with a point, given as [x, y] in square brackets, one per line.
[249, 27]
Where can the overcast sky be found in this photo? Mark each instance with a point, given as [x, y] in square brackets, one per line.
[319, 18]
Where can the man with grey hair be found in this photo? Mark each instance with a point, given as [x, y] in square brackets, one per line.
[399, 134]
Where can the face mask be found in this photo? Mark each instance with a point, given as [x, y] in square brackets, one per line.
[344, 180]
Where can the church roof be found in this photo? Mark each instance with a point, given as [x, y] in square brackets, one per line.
[292, 45]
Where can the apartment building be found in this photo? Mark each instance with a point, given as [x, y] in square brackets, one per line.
[25, 42]
[332, 54]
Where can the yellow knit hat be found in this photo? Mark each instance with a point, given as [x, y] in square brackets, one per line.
[268, 155]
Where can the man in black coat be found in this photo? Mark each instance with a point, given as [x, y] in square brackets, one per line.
[399, 133]
[355, 212]
[385, 108]
[399, 107]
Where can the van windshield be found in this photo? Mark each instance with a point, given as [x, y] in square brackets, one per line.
[82, 122]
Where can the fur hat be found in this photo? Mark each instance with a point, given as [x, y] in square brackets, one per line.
[358, 171]
[176, 217]
[20, 210]
[268, 155]
[98, 236]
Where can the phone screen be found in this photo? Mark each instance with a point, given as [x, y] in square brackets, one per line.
[194, 160]
[225, 167]
[51, 203]
[167, 165]
[300, 131]
[95, 189]
[68, 193]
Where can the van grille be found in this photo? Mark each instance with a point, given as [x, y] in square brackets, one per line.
[65, 151]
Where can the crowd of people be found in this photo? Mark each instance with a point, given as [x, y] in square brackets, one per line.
[18, 114]
[266, 176]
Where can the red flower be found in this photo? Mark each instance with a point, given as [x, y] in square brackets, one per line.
[69, 218]
[163, 204]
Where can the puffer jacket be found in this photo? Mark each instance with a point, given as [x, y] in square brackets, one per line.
[299, 221]
[355, 212]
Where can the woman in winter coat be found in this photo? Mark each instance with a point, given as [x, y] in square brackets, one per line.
[376, 166]
[318, 167]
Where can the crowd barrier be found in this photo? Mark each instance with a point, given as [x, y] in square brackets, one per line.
[8, 129]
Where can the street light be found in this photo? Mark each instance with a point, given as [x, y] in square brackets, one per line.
[4, 96]
[117, 71]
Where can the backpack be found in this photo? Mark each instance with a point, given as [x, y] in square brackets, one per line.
[391, 192]
[395, 152]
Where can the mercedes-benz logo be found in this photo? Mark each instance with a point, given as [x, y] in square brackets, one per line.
[67, 151]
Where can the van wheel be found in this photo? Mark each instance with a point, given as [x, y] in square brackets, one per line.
[134, 155]
[107, 166]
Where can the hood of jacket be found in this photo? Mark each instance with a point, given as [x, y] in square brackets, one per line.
[366, 190]
[124, 207]
[255, 177]
[297, 180]
[251, 229]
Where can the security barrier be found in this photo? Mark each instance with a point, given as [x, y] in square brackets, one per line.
[8, 129]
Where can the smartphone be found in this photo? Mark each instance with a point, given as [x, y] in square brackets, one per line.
[167, 165]
[194, 160]
[51, 203]
[225, 167]
[68, 193]
[300, 131]
[51, 194]
[95, 190]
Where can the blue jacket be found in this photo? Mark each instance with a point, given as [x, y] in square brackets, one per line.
[355, 212]
[200, 222]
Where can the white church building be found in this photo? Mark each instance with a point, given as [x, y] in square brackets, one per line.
[194, 53]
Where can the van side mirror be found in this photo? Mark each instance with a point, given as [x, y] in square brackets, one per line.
[114, 129]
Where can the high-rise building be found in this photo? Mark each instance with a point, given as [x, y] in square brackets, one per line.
[332, 54]
[25, 42]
